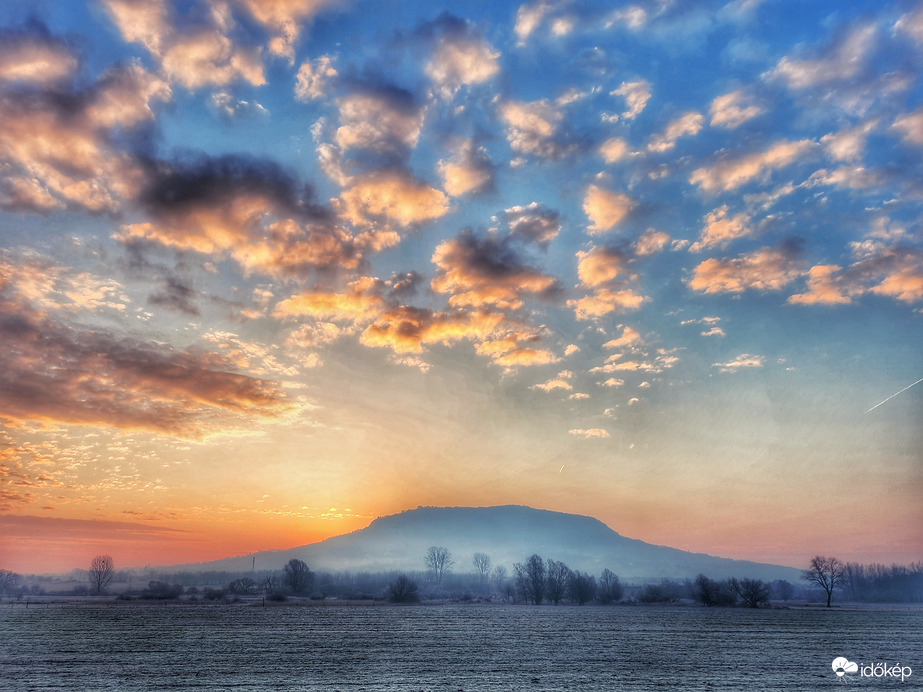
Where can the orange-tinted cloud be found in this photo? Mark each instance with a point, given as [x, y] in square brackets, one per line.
[765, 269]
[34, 57]
[690, 123]
[52, 372]
[720, 229]
[535, 128]
[391, 196]
[460, 57]
[487, 271]
[193, 54]
[732, 110]
[729, 173]
[57, 152]
[246, 209]
[284, 18]
[469, 171]
[605, 208]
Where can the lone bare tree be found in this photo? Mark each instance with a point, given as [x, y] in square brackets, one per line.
[438, 561]
[298, 577]
[826, 572]
[482, 565]
[101, 571]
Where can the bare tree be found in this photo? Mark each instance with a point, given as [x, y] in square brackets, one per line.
[826, 572]
[299, 578]
[557, 580]
[438, 561]
[753, 592]
[610, 588]
[481, 565]
[530, 579]
[101, 571]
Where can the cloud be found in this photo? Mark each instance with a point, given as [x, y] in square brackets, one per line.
[461, 57]
[57, 149]
[243, 208]
[284, 18]
[31, 55]
[605, 208]
[381, 119]
[487, 271]
[605, 301]
[824, 288]
[193, 53]
[613, 149]
[841, 61]
[912, 25]
[533, 223]
[651, 242]
[360, 304]
[313, 78]
[732, 110]
[730, 173]
[910, 126]
[687, 124]
[590, 433]
[600, 265]
[744, 360]
[528, 18]
[559, 382]
[663, 360]
[765, 269]
[848, 144]
[630, 339]
[720, 229]
[52, 372]
[391, 196]
[636, 95]
[534, 128]
[469, 171]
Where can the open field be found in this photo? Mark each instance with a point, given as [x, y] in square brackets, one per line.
[156, 646]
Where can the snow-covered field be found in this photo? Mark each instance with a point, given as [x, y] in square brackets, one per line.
[154, 646]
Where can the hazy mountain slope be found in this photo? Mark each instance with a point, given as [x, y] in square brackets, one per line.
[507, 534]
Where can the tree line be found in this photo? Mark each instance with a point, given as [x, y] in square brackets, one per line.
[536, 580]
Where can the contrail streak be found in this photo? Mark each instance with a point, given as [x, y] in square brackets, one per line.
[894, 395]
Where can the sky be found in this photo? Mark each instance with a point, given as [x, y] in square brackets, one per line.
[270, 270]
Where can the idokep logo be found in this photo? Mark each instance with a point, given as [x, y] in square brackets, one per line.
[842, 666]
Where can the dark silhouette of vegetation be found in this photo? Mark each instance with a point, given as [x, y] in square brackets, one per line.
[610, 589]
[9, 582]
[530, 579]
[403, 590]
[438, 561]
[826, 572]
[298, 577]
[582, 587]
[877, 583]
[782, 590]
[557, 580]
[753, 592]
[710, 592]
[101, 570]
[243, 586]
[157, 590]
